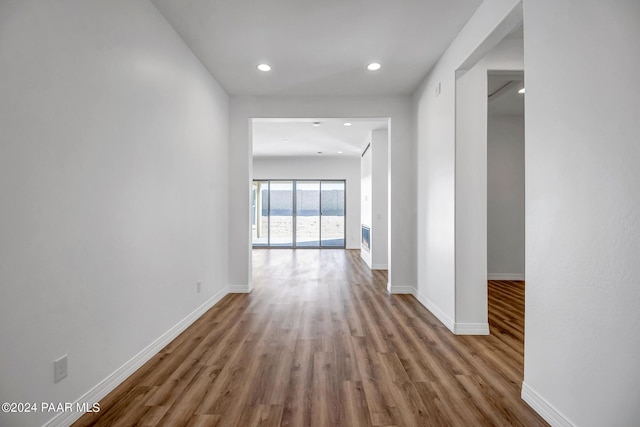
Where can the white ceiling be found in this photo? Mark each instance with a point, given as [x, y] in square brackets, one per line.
[318, 47]
[299, 138]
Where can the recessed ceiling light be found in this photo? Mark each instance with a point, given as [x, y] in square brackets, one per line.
[374, 66]
[316, 124]
[347, 124]
[521, 90]
[339, 152]
[264, 67]
[285, 140]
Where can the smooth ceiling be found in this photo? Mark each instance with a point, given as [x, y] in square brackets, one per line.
[299, 138]
[318, 47]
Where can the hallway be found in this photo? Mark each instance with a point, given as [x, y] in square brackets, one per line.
[320, 342]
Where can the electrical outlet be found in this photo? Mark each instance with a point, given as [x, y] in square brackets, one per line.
[198, 287]
[60, 368]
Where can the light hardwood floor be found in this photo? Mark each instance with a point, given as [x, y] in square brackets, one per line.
[319, 342]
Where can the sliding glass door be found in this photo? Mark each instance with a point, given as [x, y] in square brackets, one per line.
[308, 213]
[298, 213]
[260, 213]
[281, 213]
[332, 200]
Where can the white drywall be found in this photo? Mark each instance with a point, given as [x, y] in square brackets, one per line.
[347, 168]
[435, 132]
[380, 199]
[375, 198]
[402, 170]
[471, 184]
[471, 198]
[366, 199]
[582, 337]
[112, 173]
[505, 197]
[365, 187]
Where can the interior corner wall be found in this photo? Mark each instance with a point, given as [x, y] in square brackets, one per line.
[380, 199]
[434, 110]
[471, 184]
[582, 321]
[505, 197]
[112, 173]
[402, 265]
[365, 199]
[471, 199]
[321, 167]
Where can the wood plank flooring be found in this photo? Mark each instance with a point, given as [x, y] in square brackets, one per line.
[319, 342]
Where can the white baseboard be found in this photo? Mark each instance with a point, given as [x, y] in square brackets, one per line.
[379, 267]
[366, 257]
[107, 385]
[471, 328]
[239, 289]
[505, 276]
[456, 328]
[395, 289]
[544, 408]
[435, 310]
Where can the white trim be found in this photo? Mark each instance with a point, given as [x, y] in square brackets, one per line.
[544, 408]
[366, 256]
[435, 310]
[394, 289]
[107, 385]
[505, 276]
[456, 328]
[380, 267]
[471, 328]
[238, 289]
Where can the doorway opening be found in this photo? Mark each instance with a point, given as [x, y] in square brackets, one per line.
[505, 176]
[299, 213]
[492, 76]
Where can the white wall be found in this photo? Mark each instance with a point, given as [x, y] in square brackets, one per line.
[471, 184]
[380, 198]
[347, 168]
[582, 154]
[112, 171]
[366, 199]
[471, 200]
[435, 132]
[402, 188]
[505, 197]
[375, 198]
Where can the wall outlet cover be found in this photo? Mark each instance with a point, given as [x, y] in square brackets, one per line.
[60, 368]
